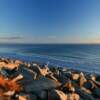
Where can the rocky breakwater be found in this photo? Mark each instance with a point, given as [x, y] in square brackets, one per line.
[31, 81]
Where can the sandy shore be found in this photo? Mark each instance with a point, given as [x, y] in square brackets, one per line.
[21, 80]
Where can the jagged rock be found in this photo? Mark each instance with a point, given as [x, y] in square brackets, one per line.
[57, 95]
[68, 86]
[96, 92]
[40, 71]
[82, 79]
[28, 75]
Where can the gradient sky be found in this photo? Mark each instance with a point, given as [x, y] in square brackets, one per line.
[50, 21]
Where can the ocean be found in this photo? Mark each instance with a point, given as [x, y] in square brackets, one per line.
[82, 57]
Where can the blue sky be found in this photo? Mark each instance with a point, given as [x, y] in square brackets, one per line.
[50, 21]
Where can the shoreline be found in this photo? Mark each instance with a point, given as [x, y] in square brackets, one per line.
[30, 80]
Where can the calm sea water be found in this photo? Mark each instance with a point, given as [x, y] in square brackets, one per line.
[81, 57]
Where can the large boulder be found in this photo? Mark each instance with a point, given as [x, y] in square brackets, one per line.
[41, 84]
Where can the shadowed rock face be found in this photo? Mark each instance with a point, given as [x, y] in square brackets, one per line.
[31, 81]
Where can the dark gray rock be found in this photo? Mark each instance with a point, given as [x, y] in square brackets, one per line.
[98, 78]
[43, 95]
[96, 92]
[28, 75]
[41, 84]
[84, 95]
[89, 85]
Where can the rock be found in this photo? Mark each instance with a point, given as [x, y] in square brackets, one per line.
[73, 96]
[41, 84]
[98, 78]
[68, 86]
[68, 74]
[57, 95]
[24, 96]
[40, 71]
[4, 72]
[51, 76]
[96, 83]
[75, 76]
[93, 77]
[19, 77]
[82, 79]
[84, 95]
[42, 95]
[9, 93]
[89, 85]
[18, 62]
[96, 92]
[86, 90]
[61, 77]
[28, 75]
[33, 97]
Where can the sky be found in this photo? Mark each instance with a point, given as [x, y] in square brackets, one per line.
[49, 21]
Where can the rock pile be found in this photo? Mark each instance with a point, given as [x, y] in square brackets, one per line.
[30, 81]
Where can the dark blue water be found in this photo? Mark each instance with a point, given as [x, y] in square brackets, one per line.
[81, 57]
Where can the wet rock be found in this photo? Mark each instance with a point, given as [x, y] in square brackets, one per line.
[57, 95]
[96, 92]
